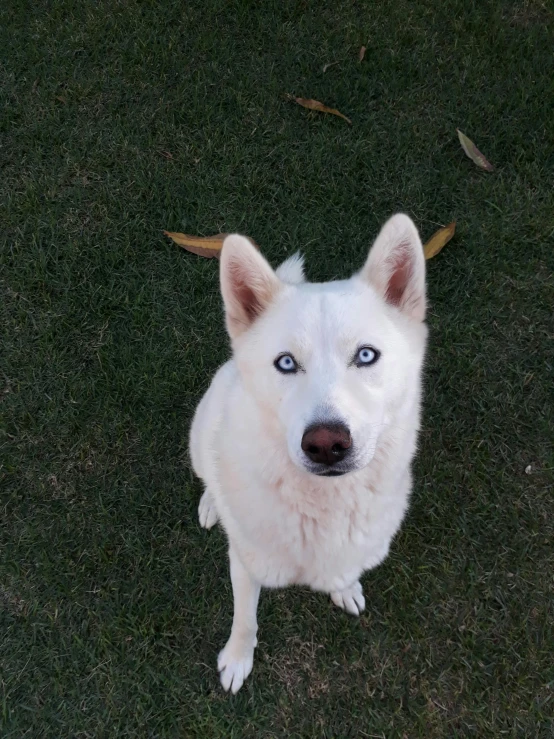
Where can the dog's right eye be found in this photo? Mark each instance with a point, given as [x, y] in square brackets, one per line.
[286, 364]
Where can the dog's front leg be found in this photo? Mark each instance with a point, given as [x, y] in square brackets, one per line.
[236, 659]
[350, 599]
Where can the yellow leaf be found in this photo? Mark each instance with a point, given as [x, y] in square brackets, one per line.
[316, 105]
[473, 152]
[362, 53]
[438, 240]
[208, 246]
[203, 246]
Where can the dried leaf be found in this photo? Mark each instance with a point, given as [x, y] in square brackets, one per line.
[326, 66]
[473, 152]
[316, 105]
[438, 240]
[203, 246]
[208, 246]
[362, 53]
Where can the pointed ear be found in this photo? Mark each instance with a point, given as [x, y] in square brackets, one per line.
[248, 283]
[395, 267]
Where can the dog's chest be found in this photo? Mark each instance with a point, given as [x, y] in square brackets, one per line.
[323, 540]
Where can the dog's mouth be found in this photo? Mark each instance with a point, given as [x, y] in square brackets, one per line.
[324, 470]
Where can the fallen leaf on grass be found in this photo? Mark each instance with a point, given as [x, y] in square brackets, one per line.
[316, 105]
[203, 246]
[326, 66]
[438, 240]
[473, 152]
[362, 53]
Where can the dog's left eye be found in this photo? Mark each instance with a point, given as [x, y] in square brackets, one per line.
[286, 364]
[365, 356]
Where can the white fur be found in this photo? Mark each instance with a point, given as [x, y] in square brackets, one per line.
[292, 270]
[285, 524]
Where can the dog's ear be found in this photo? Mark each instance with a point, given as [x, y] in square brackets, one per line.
[395, 267]
[248, 283]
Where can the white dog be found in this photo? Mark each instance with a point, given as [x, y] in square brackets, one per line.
[305, 438]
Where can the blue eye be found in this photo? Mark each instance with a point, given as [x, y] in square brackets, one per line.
[365, 356]
[286, 364]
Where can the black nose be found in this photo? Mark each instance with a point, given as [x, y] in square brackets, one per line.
[327, 443]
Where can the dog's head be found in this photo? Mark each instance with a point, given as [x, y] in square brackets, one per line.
[329, 365]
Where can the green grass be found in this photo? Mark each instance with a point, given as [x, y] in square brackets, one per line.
[113, 602]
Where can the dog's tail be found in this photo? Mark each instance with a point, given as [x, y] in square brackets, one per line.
[292, 270]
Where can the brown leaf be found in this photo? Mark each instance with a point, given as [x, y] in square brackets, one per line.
[316, 105]
[166, 154]
[362, 53]
[326, 66]
[203, 246]
[473, 152]
[438, 240]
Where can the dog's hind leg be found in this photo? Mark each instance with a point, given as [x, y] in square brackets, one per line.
[350, 599]
[236, 659]
[207, 512]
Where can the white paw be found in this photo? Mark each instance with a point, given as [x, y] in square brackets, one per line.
[350, 599]
[235, 663]
[207, 513]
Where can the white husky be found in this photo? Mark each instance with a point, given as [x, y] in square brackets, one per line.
[305, 438]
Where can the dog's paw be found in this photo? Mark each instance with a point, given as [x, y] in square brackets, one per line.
[350, 599]
[207, 512]
[235, 663]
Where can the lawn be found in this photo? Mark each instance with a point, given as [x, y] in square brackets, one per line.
[120, 119]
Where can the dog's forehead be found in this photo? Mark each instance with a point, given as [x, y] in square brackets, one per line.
[329, 313]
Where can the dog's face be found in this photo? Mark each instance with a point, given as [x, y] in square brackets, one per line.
[328, 364]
